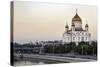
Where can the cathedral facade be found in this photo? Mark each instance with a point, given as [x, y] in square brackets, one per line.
[76, 33]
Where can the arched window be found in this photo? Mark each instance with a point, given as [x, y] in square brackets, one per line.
[82, 39]
[78, 38]
[73, 38]
[67, 38]
[85, 33]
[86, 38]
[82, 33]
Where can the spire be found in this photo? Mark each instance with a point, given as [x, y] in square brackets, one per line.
[86, 22]
[76, 11]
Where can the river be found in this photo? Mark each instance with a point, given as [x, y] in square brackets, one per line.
[34, 62]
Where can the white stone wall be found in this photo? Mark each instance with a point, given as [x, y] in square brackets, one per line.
[77, 24]
[76, 36]
[67, 38]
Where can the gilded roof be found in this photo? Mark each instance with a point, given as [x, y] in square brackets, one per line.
[86, 25]
[66, 26]
[76, 18]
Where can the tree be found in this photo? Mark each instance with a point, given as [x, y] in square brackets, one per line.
[82, 48]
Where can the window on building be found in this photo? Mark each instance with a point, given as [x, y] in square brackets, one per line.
[78, 38]
[68, 38]
[82, 33]
[85, 33]
[78, 33]
[86, 38]
[73, 38]
[82, 39]
[73, 34]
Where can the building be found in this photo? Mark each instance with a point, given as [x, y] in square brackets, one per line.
[76, 33]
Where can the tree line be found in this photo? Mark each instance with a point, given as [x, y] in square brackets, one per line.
[83, 48]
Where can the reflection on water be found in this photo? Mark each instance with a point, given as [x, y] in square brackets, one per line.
[19, 63]
[34, 62]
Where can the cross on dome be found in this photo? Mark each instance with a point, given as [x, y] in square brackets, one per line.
[76, 10]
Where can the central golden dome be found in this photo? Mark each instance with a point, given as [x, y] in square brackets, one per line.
[76, 18]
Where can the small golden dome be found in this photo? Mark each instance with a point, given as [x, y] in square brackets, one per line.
[86, 25]
[66, 26]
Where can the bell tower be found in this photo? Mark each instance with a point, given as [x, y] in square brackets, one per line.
[66, 27]
[86, 27]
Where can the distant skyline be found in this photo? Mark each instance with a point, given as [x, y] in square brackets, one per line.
[35, 21]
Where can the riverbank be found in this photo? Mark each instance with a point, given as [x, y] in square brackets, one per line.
[74, 56]
[53, 58]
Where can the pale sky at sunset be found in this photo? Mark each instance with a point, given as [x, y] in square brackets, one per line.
[46, 21]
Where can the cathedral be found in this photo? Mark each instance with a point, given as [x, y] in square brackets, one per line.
[76, 33]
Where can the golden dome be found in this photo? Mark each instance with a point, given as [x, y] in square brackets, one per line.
[76, 18]
[66, 26]
[86, 25]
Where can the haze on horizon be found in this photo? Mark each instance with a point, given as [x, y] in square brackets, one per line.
[35, 21]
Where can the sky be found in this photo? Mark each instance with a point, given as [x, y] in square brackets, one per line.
[36, 21]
